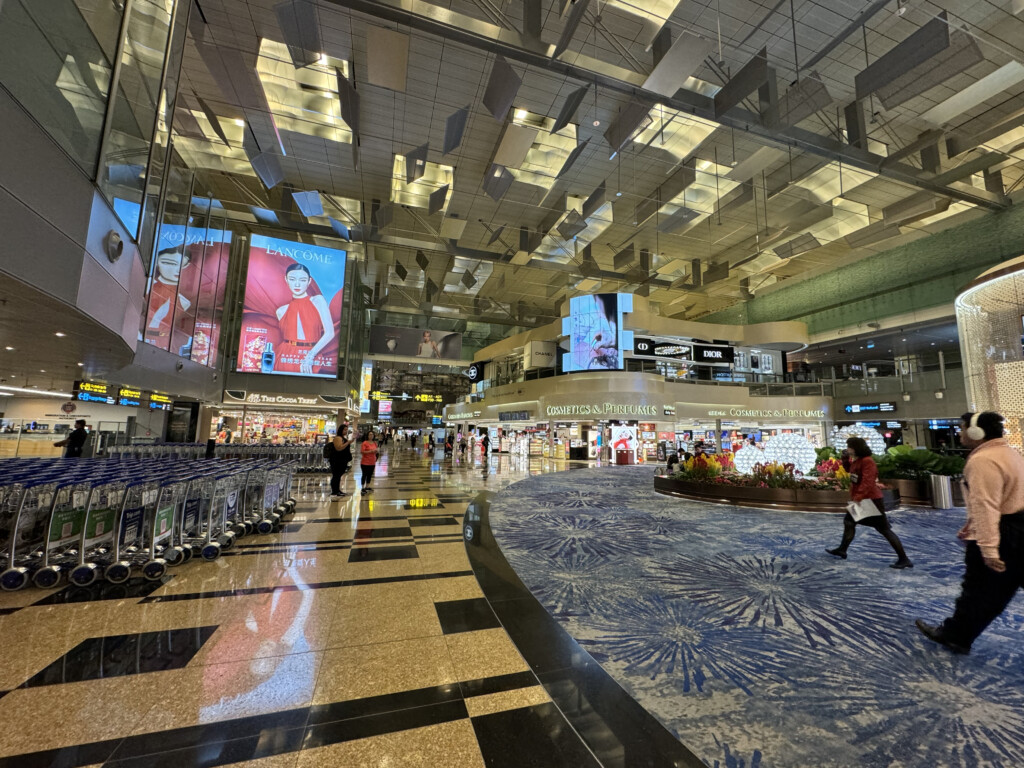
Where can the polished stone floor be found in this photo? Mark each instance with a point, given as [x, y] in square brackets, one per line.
[755, 647]
[357, 636]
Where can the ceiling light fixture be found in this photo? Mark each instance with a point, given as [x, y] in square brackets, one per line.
[60, 334]
[32, 391]
[81, 365]
[9, 349]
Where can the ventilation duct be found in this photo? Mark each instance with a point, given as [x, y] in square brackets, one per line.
[961, 54]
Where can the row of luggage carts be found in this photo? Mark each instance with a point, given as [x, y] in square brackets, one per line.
[85, 520]
[307, 459]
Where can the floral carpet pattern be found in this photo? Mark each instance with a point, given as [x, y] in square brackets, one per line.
[756, 648]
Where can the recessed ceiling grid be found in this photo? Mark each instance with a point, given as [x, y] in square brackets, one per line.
[729, 225]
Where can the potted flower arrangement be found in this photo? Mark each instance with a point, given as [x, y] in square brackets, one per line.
[826, 487]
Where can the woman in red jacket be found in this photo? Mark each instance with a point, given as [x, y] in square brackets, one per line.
[864, 472]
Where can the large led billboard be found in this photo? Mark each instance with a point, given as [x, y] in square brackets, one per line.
[594, 328]
[415, 342]
[186, 291]
[292, 312]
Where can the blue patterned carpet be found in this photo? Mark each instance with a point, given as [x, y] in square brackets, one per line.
[755, 647]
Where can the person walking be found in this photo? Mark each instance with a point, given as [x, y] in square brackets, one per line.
[864, 473]
[462, 447]
[993, 533]
[340, 457]
[486, 443]
[368, 462]
[74, 442]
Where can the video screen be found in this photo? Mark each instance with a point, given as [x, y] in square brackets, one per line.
[415, 342]
[292, 312]
[594, 328]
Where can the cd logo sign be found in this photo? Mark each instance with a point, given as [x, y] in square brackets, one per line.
[69, 407]
[475, 372]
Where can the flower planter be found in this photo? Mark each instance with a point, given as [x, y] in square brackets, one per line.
[913, 492]
[805, 499]
[958, 494]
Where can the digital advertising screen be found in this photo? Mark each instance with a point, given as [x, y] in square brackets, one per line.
[365, 382]
[185, 304]
[596, 336]
[415, 342]
[384, 410]
[291, 316]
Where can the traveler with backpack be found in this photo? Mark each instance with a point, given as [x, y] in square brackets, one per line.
[338, 452]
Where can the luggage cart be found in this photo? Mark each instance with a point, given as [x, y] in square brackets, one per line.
[69, 530]
[220, 501]
[163, 542]
[97, 539]
[133, 547]
[259, 490]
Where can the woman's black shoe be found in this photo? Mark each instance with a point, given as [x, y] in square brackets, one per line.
[837, 552]
[899, 564]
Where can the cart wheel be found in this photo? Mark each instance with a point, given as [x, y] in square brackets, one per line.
[227, 540]
[47, 578]
[83, 575]
[210, 552]
[175, 555]
[13, 579]
[264, 527]
[196, 550]
[249, 527]
[153, 570]
[282, 509]
[118, 573]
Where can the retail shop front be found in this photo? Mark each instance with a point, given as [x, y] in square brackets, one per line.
[276, 417]
[728, 427]
[630, 418]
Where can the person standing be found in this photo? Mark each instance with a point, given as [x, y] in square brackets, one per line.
[994, 533]
[340, 458]
[75, 441]
[368, 462]
[864, 473]
[462, 447]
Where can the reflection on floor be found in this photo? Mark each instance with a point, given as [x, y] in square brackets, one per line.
[741, 635]
[355, 637]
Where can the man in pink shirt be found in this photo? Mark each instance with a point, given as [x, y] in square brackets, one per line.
[994, 533]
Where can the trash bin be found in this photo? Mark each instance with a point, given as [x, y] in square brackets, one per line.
[942, 492]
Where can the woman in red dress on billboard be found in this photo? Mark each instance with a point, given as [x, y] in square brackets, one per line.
[164, 299]
[305, 322]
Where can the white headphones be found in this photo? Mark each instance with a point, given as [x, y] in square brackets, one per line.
[973, 431]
